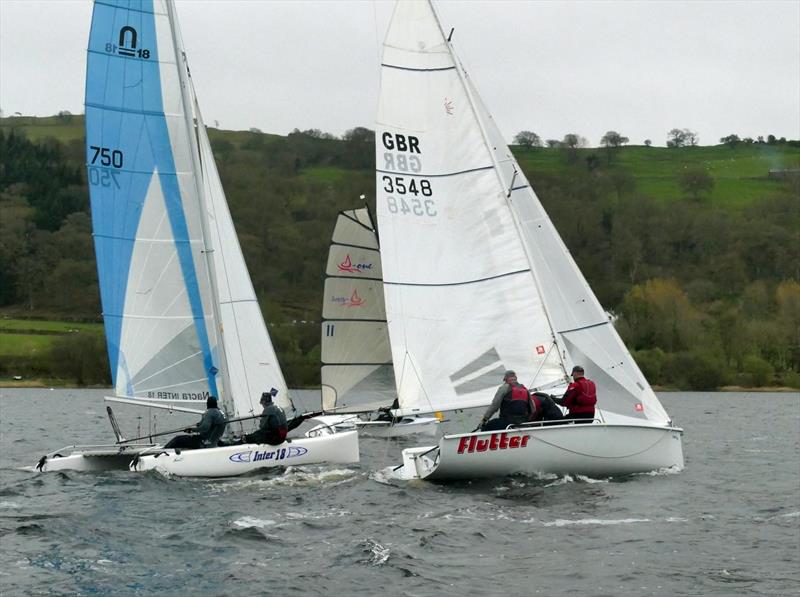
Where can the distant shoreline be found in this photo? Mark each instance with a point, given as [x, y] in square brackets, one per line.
[61, 385]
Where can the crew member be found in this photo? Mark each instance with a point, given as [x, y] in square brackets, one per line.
[544, 409]
[273, 427]
[514, 403]
[206, 434]
[580, 397]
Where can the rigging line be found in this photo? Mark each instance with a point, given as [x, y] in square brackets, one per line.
[554, 445]
[365, 278]
[152, 241]
[138, 112]
[466, 282]
[585, 327]
[445, 175]
[373, 249]
[418, 70]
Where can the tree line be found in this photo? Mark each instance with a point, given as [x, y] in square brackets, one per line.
[704, 296]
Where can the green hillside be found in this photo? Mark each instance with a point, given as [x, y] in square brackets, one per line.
[695, 248]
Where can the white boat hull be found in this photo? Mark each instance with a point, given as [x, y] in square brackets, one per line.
[597, 450]
[404, 427]
[112, 457]
[231, 461]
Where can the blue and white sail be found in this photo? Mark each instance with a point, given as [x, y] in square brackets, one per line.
[158, 213]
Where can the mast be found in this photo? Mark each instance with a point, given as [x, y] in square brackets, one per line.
[515, 217]
[208, 249]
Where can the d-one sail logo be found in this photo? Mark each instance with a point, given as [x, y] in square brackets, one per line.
[354, 268]
[353, 301]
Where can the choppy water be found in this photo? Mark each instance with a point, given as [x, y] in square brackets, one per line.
[728, 524]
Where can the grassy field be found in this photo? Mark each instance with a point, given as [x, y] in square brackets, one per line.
[26, 345]
[32, 337]
[17, 326]
[64, 129]
[740, 174]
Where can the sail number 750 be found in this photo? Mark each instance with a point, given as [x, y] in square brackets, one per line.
[399, 202]
[106, 156]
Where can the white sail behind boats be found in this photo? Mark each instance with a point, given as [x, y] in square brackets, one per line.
[356, 373]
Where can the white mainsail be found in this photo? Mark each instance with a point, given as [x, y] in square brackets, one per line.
[179, 309]
[356, 372]
[477, 279]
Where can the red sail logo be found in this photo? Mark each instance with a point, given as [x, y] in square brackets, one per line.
[355, 300]
[353, 268]
[347, 266]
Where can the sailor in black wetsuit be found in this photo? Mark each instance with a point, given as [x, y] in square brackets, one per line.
[206, 434]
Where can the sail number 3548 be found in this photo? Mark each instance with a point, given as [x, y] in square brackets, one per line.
[399, 202]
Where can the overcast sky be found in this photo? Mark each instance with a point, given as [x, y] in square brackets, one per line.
[640, 68]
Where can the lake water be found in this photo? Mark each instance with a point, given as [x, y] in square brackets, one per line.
[729, 524]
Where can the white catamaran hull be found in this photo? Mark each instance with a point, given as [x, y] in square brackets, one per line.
[400, 428]
[596, 450]
[230, 461]
[91, 458]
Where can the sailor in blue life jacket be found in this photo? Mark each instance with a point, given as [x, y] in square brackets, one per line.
[206, 434]
[514, 403]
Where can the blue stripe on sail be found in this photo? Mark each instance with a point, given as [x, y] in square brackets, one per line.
[125, 112]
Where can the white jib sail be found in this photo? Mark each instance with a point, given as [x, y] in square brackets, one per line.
[252, 363]
[474, 266]
[356, 371]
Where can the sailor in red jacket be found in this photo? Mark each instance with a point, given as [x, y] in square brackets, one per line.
[580, 397]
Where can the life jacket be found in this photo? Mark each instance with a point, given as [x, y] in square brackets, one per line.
[585, 396]
[516, 405]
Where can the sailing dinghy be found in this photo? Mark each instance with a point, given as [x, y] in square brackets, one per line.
[357, 375]
[477, 281]
[181, 317]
